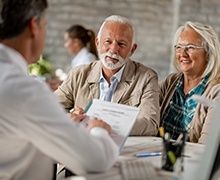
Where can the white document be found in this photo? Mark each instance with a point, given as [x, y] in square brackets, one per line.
[120, 117]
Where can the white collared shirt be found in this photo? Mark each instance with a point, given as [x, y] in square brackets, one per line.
[83, 57]
[35, 131]
[104, 86]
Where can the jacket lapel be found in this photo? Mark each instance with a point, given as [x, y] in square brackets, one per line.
[120, 91]
[93, 80]
[127, 77]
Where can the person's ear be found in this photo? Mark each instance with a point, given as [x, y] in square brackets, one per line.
[33, 26]
[96, 41]
[133, 49]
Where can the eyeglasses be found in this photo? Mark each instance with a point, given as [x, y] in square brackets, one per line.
[188, 48]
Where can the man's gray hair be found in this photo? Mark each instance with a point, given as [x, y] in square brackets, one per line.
[120, 19]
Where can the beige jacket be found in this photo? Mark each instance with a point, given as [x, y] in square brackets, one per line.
[203, 115]
[138, 87]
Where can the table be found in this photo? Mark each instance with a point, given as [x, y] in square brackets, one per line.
[142, 144]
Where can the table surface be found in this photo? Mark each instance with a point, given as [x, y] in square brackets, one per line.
[142, 144]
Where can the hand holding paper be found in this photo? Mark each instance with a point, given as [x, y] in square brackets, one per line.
[120, 117]
[99, 123]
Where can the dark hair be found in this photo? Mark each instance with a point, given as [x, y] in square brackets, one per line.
[15, 15]
[85, 35]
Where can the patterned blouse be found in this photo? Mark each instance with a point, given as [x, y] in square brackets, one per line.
[178, 115]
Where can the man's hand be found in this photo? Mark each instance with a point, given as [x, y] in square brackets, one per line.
[78, 110]
[77, 117]
[99, 123]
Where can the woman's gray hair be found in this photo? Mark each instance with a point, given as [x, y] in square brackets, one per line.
[120, 19]
[211, 45]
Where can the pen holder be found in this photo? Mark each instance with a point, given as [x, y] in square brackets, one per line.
[171, 152]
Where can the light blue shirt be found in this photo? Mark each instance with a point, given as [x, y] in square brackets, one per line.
[104, 86]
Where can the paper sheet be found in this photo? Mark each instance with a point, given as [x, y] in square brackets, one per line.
[120, 117]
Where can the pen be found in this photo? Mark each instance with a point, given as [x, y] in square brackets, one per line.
[179, 137]
[171, 156]
[161, 131]
[148, 154]
[167, 137]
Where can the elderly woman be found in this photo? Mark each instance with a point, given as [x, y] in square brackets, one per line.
[197, 60]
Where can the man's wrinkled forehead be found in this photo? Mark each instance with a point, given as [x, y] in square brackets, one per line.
[120, 31]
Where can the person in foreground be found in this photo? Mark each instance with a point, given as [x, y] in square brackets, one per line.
[130, 82]
[35, 130]
[197, 60]
[80, 42]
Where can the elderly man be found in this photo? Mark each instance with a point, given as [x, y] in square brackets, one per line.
[115, 77]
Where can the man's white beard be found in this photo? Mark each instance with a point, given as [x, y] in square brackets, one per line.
[109, 64]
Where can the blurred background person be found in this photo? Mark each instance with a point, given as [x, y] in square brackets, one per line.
[80, 42]
[197, 60]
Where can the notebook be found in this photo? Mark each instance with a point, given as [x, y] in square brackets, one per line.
[120, 117]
